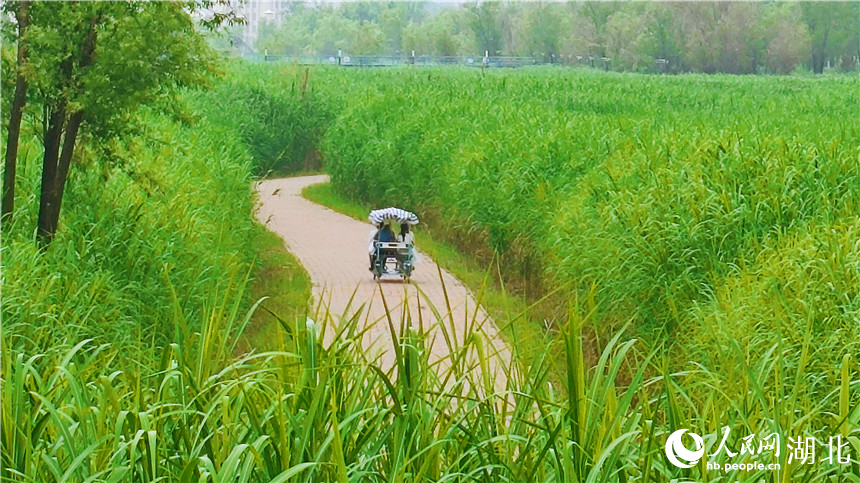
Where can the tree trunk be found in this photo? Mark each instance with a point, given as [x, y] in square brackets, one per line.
[45, 228]
[11, 162]
[819, 57]
[63, 165]
[818, 63]
[55, 169]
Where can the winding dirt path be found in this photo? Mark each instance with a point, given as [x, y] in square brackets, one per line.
[333, 249]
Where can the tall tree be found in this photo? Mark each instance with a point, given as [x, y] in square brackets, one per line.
[664, 37]
[334, 33]
[833, 27]
[742, 39]
[485, 25]
[598, 14]
[391, 21]
[789, 42]
[545, 29]
[16, 112]
[628, 40]
[699, 26]
[367, 39]
[92, 64]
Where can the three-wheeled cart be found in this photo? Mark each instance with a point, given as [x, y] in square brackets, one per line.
[392, 257]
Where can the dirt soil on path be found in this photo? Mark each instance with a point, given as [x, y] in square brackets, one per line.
[333, 249]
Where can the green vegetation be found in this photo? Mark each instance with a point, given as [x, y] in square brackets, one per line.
[731, 37]
[84, 69]
[315, 413]
[714, 217]
[154, 250]
[275, 114]
[521, 329]
[283, 286]
[152, 232]
[716, 214]
[324, 195]
[682, 204]
[701, 233]
[157, 259]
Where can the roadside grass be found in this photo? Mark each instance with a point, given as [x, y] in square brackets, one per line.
[151, 225]
[654, 198]
[278, 118]
[281, 284]
[709, 211]
[528, 337]
[311, 412]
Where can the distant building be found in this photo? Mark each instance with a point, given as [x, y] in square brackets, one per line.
[255, 12]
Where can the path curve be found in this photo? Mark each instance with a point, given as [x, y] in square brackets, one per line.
[333, 249]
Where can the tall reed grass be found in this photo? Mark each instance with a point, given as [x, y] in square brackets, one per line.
[119, 343]
[275, 114]
[311, 412]
[151, 227]
[709, 208]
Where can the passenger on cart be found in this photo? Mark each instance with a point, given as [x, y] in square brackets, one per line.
[384, 233]
[405, 235]
[391, 254]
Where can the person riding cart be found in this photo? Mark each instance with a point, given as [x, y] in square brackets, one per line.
[390, 254]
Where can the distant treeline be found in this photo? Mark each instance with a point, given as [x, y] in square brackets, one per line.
[731, 37]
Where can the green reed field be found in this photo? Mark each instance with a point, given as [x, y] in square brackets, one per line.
[698, 234]
[705, 210]
[719, 216]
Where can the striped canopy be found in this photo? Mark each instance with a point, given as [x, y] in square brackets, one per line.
[393, 215]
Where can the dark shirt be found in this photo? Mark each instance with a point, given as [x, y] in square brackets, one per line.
[386, 235]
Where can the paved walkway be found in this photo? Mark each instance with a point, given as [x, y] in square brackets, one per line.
[333, 249]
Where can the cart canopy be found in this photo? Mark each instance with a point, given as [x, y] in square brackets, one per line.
[393, 215]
